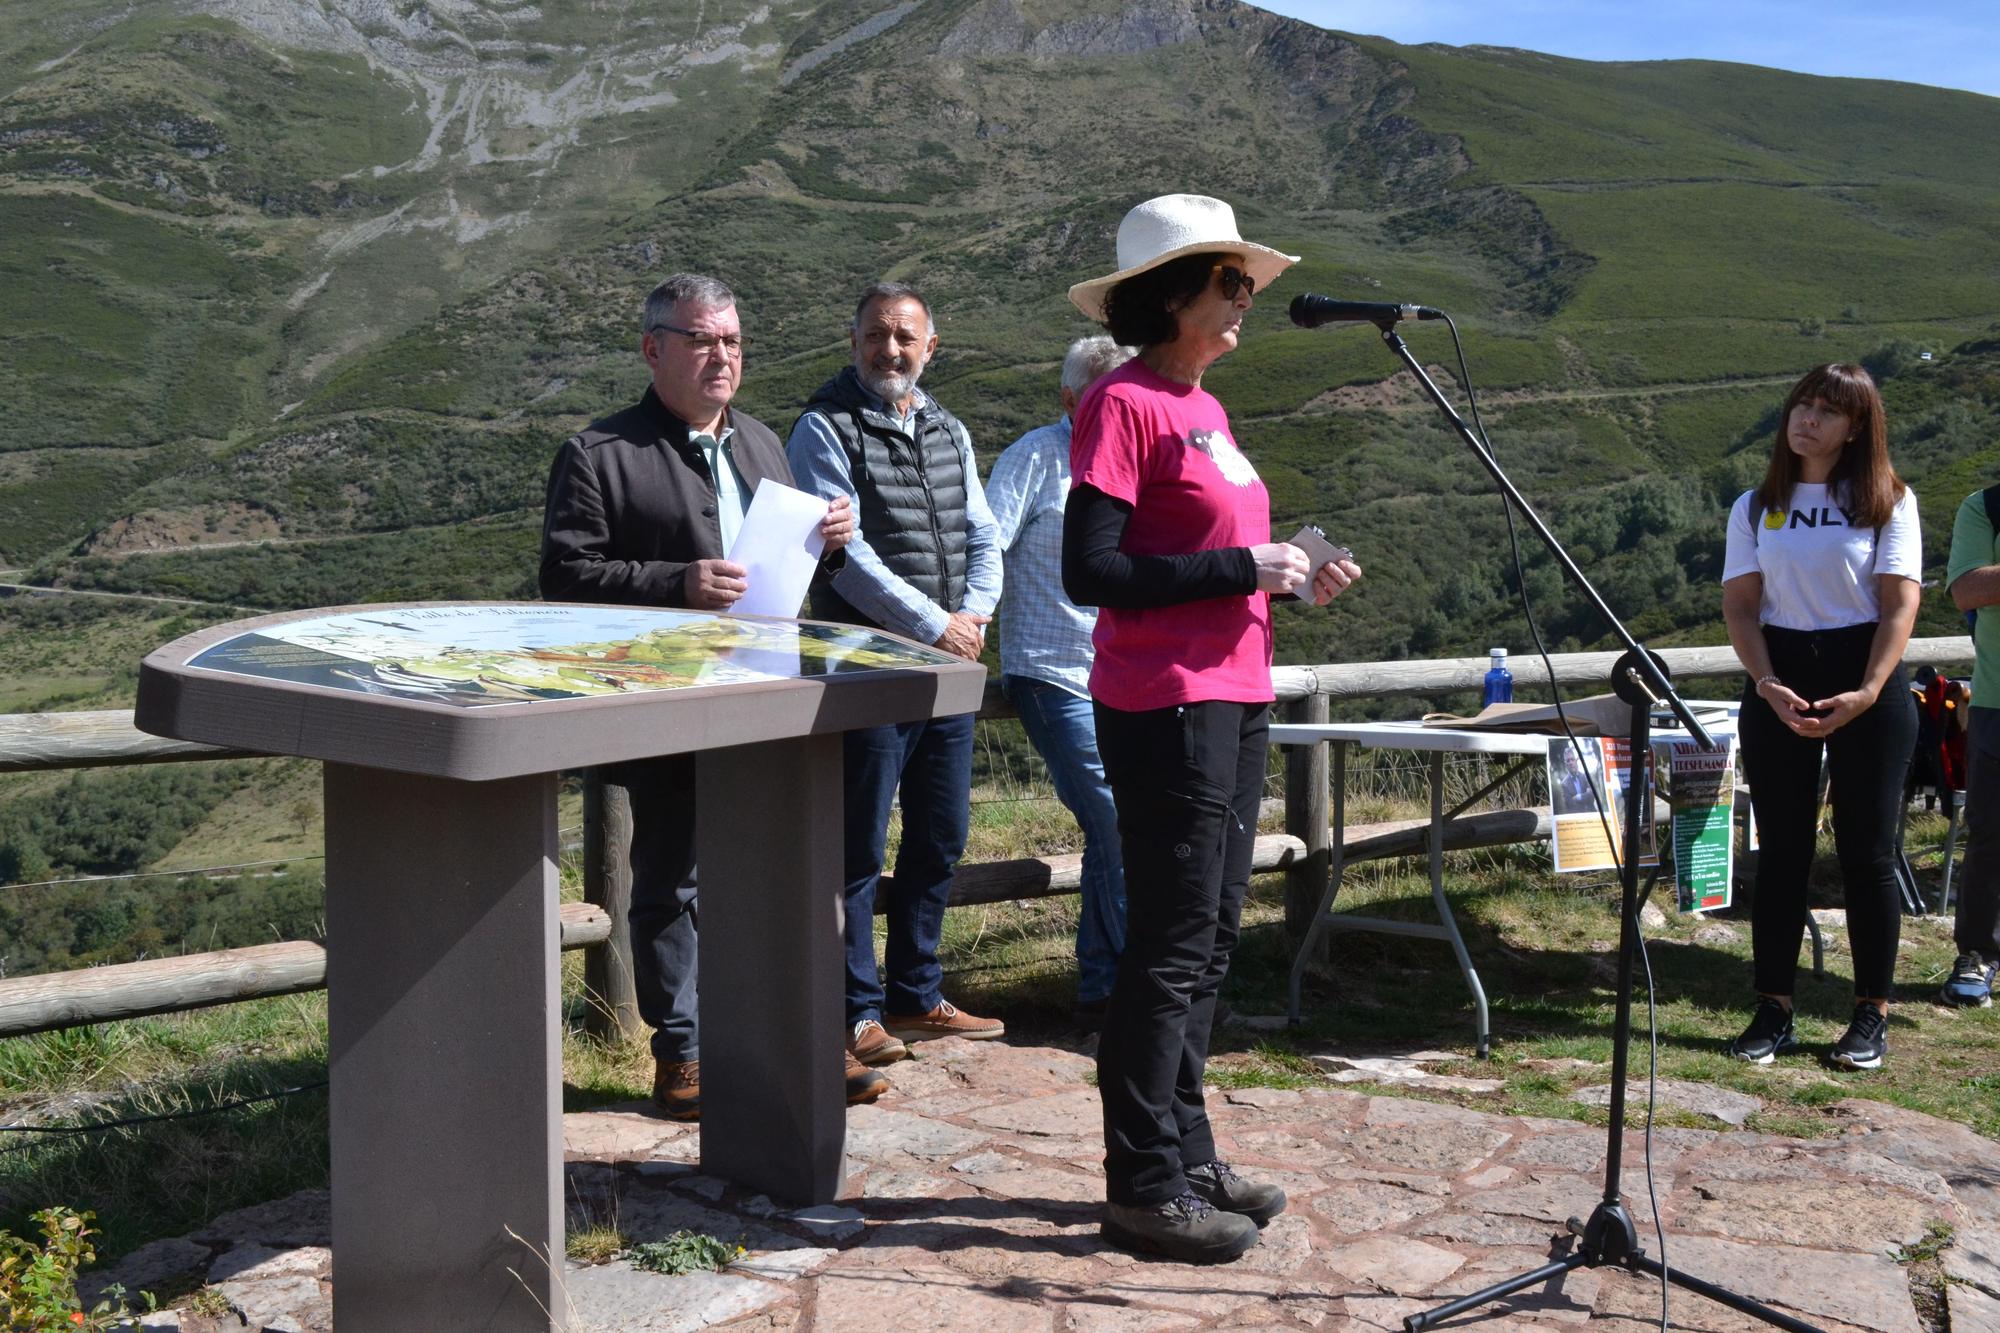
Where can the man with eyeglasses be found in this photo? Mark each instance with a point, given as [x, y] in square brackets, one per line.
[642, 509]
[926, 565]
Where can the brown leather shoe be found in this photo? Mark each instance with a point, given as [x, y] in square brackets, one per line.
[677, 1088]
[869, 1044]
[863, 1084]
[944, 1021]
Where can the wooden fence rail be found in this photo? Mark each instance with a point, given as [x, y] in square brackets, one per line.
[53, 741]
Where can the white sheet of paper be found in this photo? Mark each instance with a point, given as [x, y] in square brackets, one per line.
[779, 544]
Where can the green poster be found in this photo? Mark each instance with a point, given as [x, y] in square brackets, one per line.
[1702, 787]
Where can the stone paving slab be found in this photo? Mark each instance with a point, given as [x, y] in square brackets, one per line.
[972, 1203]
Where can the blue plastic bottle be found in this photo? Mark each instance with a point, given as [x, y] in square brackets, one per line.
[1499, 687]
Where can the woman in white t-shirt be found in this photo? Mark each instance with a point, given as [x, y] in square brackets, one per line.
[1819, 590]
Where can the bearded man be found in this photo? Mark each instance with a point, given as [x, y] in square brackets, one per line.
[925, 565]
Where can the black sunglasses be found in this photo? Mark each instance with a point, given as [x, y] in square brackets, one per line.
[1235, 280]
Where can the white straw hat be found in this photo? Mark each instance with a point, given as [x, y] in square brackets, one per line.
[1169, 227]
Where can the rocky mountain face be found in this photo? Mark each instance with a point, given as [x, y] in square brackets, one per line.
[304, 271]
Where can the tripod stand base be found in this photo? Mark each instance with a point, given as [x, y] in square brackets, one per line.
[1609, 1239]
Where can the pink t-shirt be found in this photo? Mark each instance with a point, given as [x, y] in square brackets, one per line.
[1165, 449]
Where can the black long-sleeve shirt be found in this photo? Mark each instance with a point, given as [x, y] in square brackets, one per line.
[1097, 573]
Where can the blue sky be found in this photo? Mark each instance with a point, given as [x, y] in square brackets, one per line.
[1950, 43]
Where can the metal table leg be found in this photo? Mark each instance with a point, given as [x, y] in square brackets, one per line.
[1337, 855]
[445, 1052]
[1445, 918]
[773, 1109]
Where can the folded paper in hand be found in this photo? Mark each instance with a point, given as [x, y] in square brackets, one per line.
[1318, 549]
[779, 544]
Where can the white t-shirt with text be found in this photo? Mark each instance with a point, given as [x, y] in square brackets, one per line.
[1819, 569]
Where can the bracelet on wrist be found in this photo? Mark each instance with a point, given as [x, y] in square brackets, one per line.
[1762, 681]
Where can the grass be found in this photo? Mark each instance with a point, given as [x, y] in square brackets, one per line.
[1543, 947]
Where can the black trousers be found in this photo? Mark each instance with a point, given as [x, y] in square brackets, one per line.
[1867, 760]
[1187, 781]
[664, 915]
[1977, 929]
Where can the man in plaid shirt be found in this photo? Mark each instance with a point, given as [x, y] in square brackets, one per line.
[1045, 661]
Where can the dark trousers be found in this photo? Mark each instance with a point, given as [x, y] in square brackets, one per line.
[1867, 760]
[931, 762]
[1187, 782]
[664, 913]
[1978, 883]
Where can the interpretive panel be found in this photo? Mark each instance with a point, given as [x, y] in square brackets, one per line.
[479, 691]
[485, 656]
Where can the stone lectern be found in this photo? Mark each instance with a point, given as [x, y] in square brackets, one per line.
[442, 728]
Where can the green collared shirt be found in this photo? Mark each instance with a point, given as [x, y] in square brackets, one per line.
[731, 496]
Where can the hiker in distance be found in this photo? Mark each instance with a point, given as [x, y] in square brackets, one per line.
[1045, 657]
[1168, 533]
[1820, 583]
[925, 565]
[642, 507]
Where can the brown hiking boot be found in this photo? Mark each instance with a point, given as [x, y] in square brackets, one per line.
[677, 1088]
[872, 1046]
[863, 1084]
[944, 1021]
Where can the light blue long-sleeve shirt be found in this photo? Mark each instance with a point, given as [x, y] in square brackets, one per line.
[1043, 634]
[819, 465]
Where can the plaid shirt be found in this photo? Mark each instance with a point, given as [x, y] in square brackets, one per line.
[1043, 635]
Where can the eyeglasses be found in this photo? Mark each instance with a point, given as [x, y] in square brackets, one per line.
[1235, 280]
[705, 343]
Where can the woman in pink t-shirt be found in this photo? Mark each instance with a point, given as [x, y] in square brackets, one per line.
[1168, 533]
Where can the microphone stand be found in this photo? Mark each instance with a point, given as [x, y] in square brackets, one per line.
[1640, 678]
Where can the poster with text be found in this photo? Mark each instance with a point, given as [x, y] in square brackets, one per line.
[1701, 788]
[1587, 783]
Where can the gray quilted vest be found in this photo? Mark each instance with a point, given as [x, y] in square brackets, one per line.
[911, 491]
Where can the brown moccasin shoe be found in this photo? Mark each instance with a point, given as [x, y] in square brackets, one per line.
[872, 1046]
[947, 1020]
[863, 1084]
[677, 1088]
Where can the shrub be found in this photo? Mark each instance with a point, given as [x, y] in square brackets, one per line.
[38, 1282]
[684, 1252]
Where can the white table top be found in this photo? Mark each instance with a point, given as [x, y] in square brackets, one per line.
[1417, 736]
[1410, 736]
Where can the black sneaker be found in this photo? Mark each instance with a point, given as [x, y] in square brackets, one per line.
[1971, 984]
[1768, 1036]
[1865, 1042]
[1185, 1228]
[1221, 1186]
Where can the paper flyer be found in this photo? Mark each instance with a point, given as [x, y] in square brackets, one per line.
[1584, 775]
[1702, 793]
[780, 546]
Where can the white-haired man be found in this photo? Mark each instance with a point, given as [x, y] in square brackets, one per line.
[1045, 662]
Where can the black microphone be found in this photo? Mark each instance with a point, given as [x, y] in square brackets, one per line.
[1309, 312]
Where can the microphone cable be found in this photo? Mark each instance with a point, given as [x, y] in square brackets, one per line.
[1637, 767]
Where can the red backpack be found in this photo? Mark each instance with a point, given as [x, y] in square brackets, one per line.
[1937, 767]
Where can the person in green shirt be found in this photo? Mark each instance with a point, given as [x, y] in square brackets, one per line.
[1973, 575]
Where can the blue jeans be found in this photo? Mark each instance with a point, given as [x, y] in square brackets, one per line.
[1060, 726]
[932, 762]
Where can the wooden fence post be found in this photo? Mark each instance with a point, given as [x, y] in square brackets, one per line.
[1306, 816]
[611, 1010]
